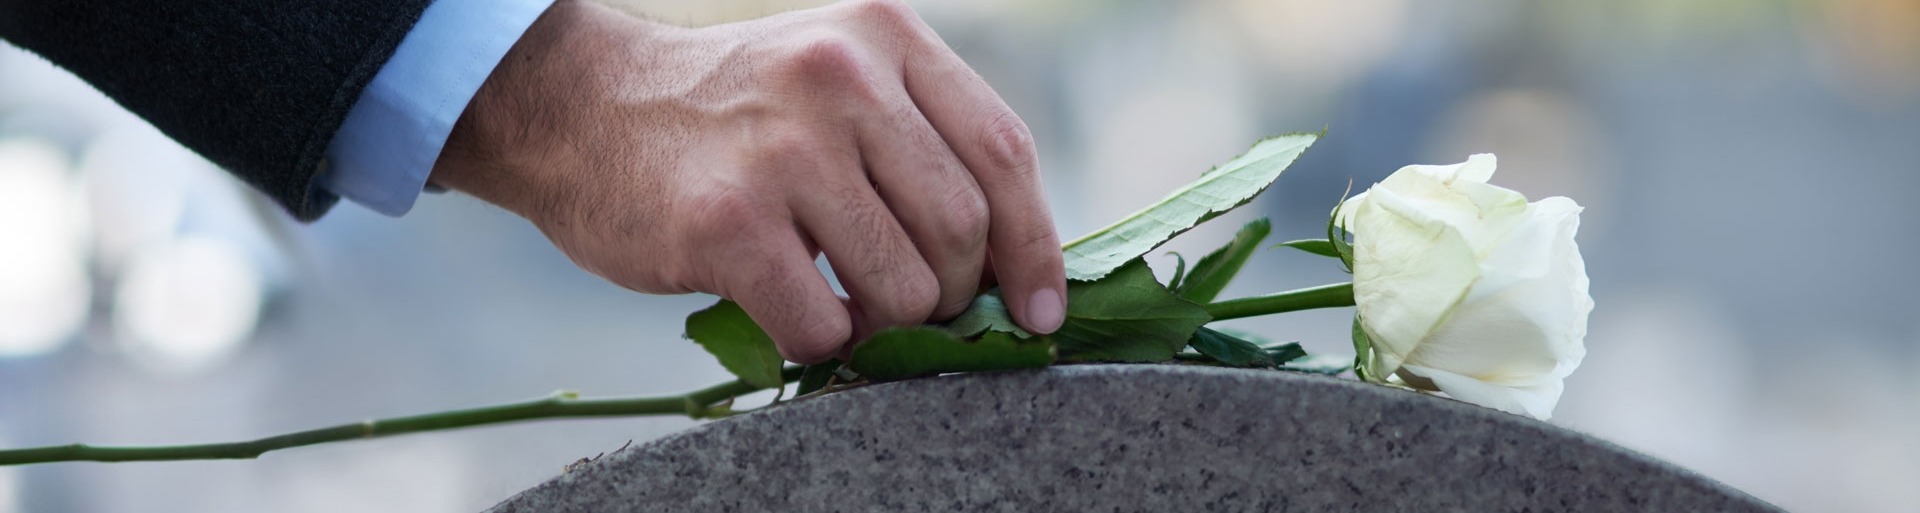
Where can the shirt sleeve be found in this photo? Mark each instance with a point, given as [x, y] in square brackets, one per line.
[385, 149]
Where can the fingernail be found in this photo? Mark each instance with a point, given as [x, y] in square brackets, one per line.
[1046, 310]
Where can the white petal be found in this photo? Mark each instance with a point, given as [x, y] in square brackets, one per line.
[1541, 244]
[1533, 400]
[1478, 168]
[1525, 319]
[1483, 213]
[1410, 269]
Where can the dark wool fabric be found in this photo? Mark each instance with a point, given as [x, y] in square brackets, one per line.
[256, 86]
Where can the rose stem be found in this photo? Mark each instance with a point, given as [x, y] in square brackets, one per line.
[697, 404]
[1324, 296]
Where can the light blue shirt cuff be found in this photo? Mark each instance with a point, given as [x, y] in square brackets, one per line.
[386, 147]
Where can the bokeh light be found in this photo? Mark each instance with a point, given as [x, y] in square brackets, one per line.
[45, 292]
[1316, 44]
[1549, 145]
[137, 181]
[1866, 49]
[188, 304]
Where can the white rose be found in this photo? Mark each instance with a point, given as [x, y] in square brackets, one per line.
[1467, 289]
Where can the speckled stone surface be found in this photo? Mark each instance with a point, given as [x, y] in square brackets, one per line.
[1128, 438]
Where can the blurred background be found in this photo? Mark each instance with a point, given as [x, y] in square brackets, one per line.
[1747, 166]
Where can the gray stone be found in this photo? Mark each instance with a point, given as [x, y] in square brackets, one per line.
[1128, 438]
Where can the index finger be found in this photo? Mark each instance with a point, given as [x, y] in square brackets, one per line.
[998, 150]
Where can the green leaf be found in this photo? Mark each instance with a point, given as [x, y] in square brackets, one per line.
[1245, 335]
[1228, 349]
[815, 377]
[1362, 350]
[1283, 353]
[988, 312]
[899, 353]
[1179, 271]
[1319, 364]
[1322, 247]
[1221, 189]
[742, 347]
[1126, 317]
[1212, 273]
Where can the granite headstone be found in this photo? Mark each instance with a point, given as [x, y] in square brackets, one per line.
[1128, 438]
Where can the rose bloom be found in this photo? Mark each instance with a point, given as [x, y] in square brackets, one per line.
[1466, 288]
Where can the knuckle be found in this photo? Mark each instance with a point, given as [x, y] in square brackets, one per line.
[785, 145]
[952, 307]
[721, 220]
[895, 13]
[1008, 145]
[914, 298]
[815, 338]
[834, 63]
[731, 208]
[967, 221]
[799, 148]
[826, 52]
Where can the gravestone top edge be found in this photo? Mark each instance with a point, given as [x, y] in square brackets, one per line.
[1131, 438]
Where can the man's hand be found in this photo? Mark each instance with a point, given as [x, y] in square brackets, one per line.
[725, 159]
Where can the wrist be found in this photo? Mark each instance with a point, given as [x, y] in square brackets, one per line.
[510, 146]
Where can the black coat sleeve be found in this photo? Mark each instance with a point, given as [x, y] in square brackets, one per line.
[257, 86]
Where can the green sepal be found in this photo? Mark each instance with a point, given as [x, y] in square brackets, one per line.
[1337, 235]
[1322, 247]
